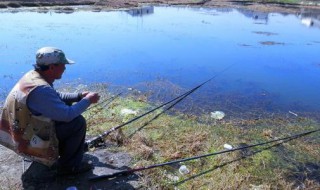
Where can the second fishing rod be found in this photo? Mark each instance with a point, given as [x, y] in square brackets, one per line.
[279, 140]
[94, 142]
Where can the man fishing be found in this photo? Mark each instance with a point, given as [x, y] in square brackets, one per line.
[42, 124]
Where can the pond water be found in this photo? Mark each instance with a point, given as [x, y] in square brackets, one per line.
[274, 58]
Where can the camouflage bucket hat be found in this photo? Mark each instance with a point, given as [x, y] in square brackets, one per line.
[51, 55]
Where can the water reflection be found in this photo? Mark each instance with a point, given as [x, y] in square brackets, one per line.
[310, 17]
[256, 15]
[65, 10]
[174, 49]
[142, 11]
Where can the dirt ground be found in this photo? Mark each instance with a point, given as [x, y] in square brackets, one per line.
[18, 174]
[262, 5]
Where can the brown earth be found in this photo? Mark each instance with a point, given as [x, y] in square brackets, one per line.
[258, 5]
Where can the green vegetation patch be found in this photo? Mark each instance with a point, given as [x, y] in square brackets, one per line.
[176, 136]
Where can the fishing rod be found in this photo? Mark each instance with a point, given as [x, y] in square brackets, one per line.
[109, 100]
[230, 162]
[126, 172]
[94, 142]
[99, 139]
[158, 115]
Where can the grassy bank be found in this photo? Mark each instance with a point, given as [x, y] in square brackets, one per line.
[177, 135]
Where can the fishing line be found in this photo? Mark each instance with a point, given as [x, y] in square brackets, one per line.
[108, 100]
[125, 172]
[158, 115]
[97, 140]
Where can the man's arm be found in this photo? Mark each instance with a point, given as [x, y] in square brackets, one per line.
[69, 98]
[45, 101]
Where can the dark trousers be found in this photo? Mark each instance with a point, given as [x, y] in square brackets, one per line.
[71, 136]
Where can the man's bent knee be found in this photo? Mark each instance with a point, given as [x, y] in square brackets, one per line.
[80, 123]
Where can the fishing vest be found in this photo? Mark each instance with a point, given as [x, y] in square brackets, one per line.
[30, 136]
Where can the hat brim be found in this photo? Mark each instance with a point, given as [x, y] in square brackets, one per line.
[69, 61]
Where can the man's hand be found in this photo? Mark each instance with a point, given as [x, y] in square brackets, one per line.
[93, 97]
[83, 94]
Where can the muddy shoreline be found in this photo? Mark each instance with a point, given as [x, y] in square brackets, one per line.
[100, 5]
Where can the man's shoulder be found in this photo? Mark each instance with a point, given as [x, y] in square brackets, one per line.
[44, 89]
[33, 78]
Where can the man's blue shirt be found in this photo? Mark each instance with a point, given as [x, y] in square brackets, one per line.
[47, 102]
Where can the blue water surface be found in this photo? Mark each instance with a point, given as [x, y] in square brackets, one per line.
[272, 56]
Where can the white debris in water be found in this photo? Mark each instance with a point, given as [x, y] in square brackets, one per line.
[293, 113]
[183, 169]
[130, 89]
[126, 111]
[218, 115]
[228, 146]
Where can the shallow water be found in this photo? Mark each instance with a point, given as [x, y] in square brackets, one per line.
[274, 58]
